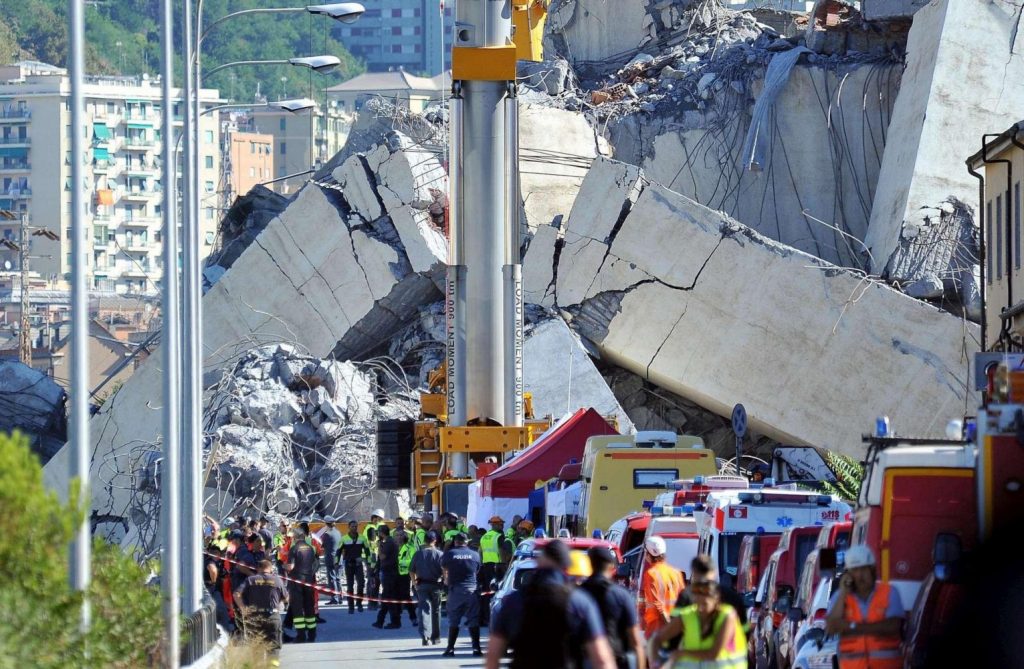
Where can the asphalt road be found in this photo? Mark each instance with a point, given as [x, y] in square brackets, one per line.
[349, 640]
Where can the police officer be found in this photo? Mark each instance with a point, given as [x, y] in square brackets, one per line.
[387, 553]
[353, 552]
[330, 539]
[259, 598]
[428, 574]
[301, 566]
[461, 568]
[490, 558]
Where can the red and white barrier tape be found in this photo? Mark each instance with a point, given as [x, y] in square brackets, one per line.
[329, 591]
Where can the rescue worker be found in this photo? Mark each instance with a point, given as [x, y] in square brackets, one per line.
[281, 537]
[710, 630]
[242, 565]
[490, 558]
[461, 565]
[399, 529]
[352, 551]
[418, 534]
[866, 614]
[376, 520]
[406, 551]
[451, 524]
[617, 608]
[512, 531]
[525, 530]
[428, 576]
[214, 577]
[260, 597]
[372, 567]
[330, 539]
[301, 566]
[263, 529]
[703, 568]
[660, 586]
[548, 623]
[387, 555]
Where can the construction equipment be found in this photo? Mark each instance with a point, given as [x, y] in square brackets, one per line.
[477, 411]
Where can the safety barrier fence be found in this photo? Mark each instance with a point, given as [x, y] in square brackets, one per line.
[199, 633]
[331, 592]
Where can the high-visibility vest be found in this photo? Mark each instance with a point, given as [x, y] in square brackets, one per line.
[405, 554]
[419, 537]
[869, 651]
[734, 652]
[371, 552]
[510, 534]
[660, 586]
[450, 534]
[489, 547]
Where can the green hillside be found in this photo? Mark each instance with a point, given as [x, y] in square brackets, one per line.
[123, 38]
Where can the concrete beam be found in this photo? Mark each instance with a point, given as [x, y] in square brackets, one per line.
[964, 58]
[707, 308]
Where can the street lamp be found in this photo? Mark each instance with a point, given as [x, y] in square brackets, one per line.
[321, 64]
[346, 12]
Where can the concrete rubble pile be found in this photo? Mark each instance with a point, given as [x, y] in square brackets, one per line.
[295, 434]
[342, 267]
[814, 351]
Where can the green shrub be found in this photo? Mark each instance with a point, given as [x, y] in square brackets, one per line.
[40, 626]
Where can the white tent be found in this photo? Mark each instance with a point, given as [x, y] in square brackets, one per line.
[564, 502]
[481, 508]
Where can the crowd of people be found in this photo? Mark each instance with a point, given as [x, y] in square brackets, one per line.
[417, 565]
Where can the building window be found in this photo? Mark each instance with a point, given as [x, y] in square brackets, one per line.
[1016, 223]
[209, 162]
[209, 186]
[284, 148]
[252, 147]
[208, 136]
[396, 13]
[252, 171]
[989, 251]
[396, 30]
[209, 237]
[281, 123]
[209, 216]
[999, 237]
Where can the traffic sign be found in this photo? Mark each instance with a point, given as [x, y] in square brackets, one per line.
[739, 421]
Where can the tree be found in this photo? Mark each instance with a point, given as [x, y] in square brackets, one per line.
[40, 628]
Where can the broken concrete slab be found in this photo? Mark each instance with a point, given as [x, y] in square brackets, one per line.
[33, 404]
[961, 56]
[319, 278]
[878, 10]
[561, 375]
[707, 308]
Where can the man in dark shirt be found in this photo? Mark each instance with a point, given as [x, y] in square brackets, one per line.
[353, 551]
[428, 575]
[243, 563]
[618, 610]
[548, 623]
[301, 566]
[268, 536]
[387, 555]
[461, 565]
[259, 598]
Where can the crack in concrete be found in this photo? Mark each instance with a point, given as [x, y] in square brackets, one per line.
[647, 368]
[316, 272]
[296, 288]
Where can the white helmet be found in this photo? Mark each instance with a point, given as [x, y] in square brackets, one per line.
[859, 556]
[655, 546]
[377, 512]
[328, 519]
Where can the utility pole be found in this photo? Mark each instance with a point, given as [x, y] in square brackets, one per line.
[22, 247]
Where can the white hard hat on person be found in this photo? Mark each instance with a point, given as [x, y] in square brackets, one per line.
[655, 546]
[859, 556]
[377, 512]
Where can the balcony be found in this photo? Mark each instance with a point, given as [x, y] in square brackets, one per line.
[137, 246]
[140, 222]
[15, 141]
[14, 114]
[18, 193]
[138, 143]
[16, 166]
[141, 170]
[140, 194]
[135, 272]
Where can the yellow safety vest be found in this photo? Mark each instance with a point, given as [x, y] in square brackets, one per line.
[732, 656]
[405, 554]
[489, 547]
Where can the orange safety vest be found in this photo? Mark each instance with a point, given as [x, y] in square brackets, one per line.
[660, 584]
[869, 651]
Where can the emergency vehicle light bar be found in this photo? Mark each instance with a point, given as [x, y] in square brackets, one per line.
[684, 510]
[762, 497]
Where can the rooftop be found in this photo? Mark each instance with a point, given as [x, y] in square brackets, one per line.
[377, 82]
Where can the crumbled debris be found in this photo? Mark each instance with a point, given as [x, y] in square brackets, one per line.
[32, 403]
[290, 427]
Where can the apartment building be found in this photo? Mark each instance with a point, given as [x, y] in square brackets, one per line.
[414, 35]
[248, 160]
[302, 141]
[1001, 163]
[123, 130]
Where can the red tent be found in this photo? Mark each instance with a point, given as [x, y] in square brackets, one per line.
[546, 457]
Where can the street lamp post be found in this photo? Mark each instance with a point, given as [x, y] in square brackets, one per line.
[191, 331]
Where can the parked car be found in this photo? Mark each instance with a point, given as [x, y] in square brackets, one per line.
[784, 570]
[519, 574]
[832, 541]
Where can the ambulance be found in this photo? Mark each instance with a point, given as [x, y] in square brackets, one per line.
[730, 515]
